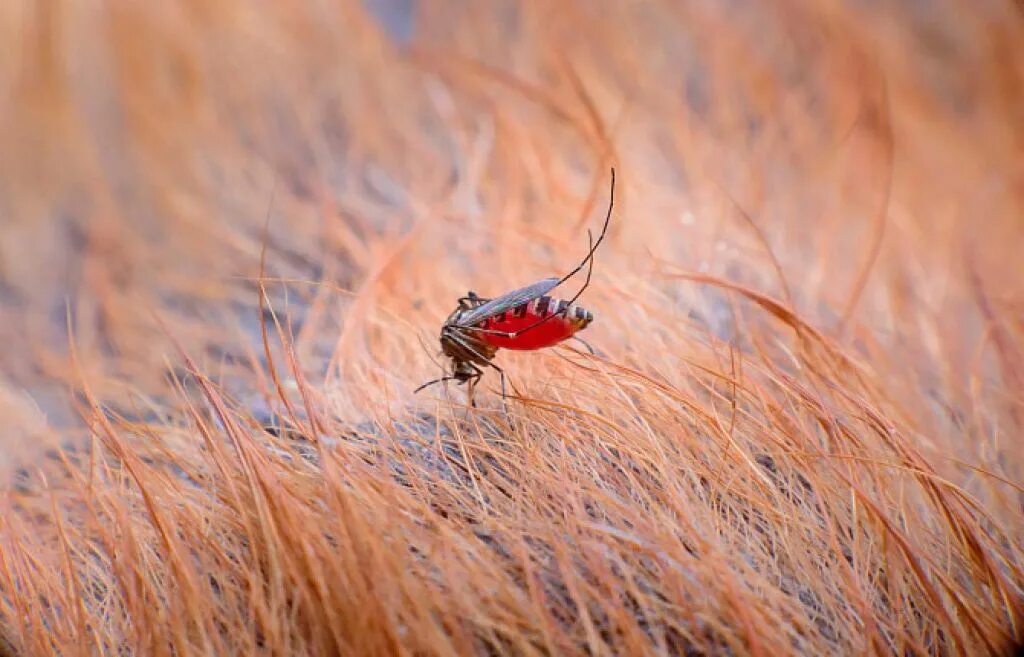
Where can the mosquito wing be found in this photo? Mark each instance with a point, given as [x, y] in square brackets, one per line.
[500, 304]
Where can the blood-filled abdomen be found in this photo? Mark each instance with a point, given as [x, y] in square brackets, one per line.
[567, 320]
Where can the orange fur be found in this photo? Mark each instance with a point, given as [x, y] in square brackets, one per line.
[800, 435]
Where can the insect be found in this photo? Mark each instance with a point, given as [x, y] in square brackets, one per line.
[524, 319]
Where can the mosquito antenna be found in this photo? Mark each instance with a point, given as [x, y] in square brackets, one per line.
[588, 259]
[430, 383]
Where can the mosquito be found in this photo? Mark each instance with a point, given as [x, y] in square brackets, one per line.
[525, 319]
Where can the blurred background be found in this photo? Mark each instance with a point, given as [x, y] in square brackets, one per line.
[857, 163]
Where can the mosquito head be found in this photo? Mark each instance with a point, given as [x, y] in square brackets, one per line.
[464, 371]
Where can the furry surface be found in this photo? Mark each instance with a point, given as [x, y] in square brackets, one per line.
[801, 433]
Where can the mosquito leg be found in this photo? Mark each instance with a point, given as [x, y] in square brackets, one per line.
[504, 334]
[471, 299]
[504, 392]
[584, 343]
[479, 372]
[443, 379]
[587, 260]
[600, 238]
[501, 373]
[586, 283]
[590, 271]
[471, 388]
[471, 349]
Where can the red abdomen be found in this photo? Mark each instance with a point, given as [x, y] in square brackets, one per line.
[567, 321]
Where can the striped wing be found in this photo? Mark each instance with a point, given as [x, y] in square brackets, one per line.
[505, 302]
